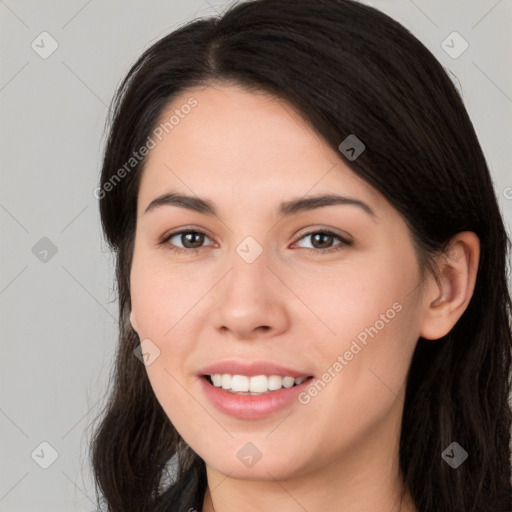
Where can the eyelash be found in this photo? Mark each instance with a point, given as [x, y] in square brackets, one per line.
[343, 242]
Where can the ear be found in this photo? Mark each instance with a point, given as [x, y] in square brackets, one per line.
[448, 292]
[133, 322]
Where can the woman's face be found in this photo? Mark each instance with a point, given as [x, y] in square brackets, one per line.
[261, 295]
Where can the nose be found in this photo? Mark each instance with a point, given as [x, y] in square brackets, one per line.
[251, 300]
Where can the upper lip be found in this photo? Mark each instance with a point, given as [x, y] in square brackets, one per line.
[251, 369]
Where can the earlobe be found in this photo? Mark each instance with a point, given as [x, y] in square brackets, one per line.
[133, 322]
[450, 291]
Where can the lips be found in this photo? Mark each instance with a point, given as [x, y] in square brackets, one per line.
[249, 406]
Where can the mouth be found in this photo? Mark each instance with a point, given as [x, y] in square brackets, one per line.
[254, 385]
[253, 397]
[251, 390]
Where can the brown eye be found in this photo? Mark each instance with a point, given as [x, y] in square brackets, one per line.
[322, 241]
[185, 240]
[192, 239]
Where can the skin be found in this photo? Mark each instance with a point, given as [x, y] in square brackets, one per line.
[246, 152]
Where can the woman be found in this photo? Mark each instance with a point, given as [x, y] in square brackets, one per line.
[311, 268]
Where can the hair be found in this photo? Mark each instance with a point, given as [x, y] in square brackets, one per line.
[348, 69]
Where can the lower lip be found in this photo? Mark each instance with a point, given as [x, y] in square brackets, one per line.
[251, 407]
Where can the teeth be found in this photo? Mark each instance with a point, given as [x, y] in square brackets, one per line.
[226, 381]
[253, 385]
[274, 382]
[258, 384]
[217, 380]
[239, 383]
[288, 382]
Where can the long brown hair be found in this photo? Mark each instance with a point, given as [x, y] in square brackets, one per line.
[348, 68]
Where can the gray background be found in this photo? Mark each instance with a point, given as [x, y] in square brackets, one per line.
[58, 311]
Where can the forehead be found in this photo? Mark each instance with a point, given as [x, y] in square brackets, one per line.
[246, 144]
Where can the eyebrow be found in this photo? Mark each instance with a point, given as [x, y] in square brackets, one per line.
[286, 208]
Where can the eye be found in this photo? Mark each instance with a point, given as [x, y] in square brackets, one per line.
[324, 239]
[191, 240]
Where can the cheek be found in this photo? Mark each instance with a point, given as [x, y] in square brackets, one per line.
[363, 373]
[369, 325]
[161, 295]
[163, 302]
[355, 299]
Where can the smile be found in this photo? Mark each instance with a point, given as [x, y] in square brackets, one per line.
[252, 405]
[255, 385]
